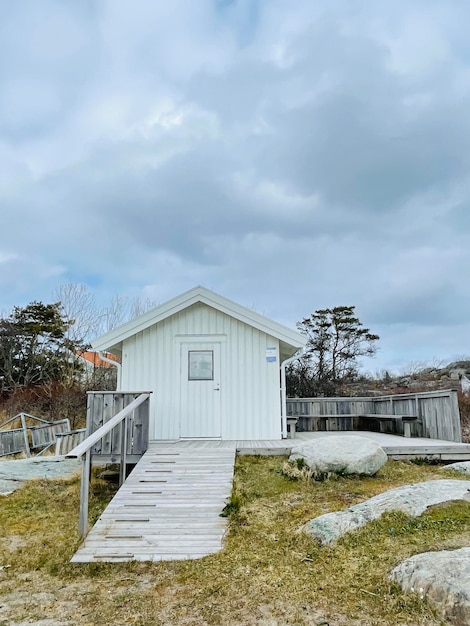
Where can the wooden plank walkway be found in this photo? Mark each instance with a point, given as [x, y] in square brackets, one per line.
[168, 508]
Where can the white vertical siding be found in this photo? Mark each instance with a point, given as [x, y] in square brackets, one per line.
[249, 385]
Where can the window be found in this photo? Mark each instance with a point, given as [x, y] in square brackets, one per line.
[200, 365]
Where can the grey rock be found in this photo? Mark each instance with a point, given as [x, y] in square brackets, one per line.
[410, 499]
[345, 454]
[9, 486]
[14, 473]
[441, 577]
[463, 467]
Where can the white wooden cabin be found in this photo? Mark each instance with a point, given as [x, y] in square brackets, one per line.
[212, 365]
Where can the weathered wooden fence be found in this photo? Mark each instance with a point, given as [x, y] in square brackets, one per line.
[12, 441]
[28, 438]
[68, 441]
[45, 435]
[437, 413]
[102, 407]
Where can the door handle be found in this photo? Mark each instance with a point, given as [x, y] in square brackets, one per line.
[217, 388]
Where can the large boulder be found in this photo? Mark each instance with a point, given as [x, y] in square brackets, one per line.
[441, 577]
[410, 499]
[342, 454]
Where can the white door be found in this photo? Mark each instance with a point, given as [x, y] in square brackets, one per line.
[200, 403]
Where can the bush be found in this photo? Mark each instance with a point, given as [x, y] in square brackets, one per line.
[464, 406]
[52, 402]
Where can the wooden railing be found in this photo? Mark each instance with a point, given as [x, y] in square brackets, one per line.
[118, 431]
[65, 442]
[13, 442]
[437, 413]
[45, 435]
[102, 406]
[27, 437]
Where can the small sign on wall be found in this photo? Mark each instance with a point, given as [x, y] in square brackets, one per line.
[271, 355]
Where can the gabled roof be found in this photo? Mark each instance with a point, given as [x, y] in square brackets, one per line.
[115, 337]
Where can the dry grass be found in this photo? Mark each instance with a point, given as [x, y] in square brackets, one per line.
[267, 574]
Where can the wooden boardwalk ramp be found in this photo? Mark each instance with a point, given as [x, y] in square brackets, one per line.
[168, 508]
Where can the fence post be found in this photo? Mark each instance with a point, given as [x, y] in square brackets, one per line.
[25, 435]
[455, 411]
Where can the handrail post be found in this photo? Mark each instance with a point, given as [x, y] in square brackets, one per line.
[84, 493]
[122, 468]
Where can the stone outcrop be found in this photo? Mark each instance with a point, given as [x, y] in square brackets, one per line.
[463, 467]
[14, 473]
[410, 499]
[443, 578]
[342, 454]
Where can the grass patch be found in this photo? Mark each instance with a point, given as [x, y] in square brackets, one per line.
[267, 573]
[299, 470]
[426, 460]
[233, 506]
[42, 519]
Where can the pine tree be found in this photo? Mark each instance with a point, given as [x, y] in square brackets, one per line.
[34, 348]
[336, 340]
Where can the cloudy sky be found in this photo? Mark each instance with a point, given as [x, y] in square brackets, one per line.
[288, 155]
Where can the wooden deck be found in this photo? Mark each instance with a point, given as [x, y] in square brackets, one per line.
[168, 508]
[395, 446]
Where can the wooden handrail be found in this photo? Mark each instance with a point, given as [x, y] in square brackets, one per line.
[92, 439]
[84, 451]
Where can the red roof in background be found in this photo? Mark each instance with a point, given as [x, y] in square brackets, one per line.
[94, 358]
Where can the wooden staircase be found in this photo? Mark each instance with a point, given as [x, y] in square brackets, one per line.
[168, 508]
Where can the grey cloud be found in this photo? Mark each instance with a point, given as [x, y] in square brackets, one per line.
[47, 53]
[428, 307]
[365, 138]
[378, 141]
[289, 159]
[459, 216]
